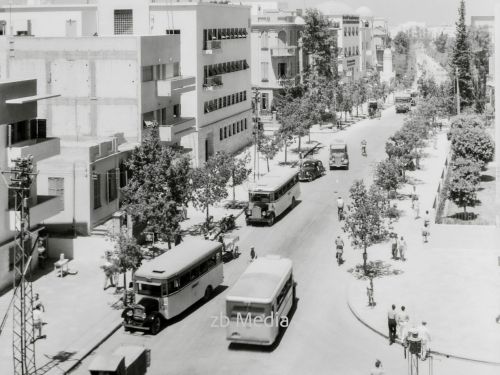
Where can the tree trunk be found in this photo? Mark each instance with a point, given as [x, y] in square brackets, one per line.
[267, 161]
[286, 147]
[365, 256]
[300, 143]
[234, 190]
[125, 302]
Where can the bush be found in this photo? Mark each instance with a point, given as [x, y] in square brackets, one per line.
[473, 143]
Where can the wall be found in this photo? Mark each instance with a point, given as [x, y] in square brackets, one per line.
[497, 110]
[140, 14]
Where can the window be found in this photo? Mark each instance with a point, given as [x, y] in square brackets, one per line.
[229, 126]
[282, 39]
[221, 134]
[265, 101]
[234, 128]
[232, 99]
[244, 95]
[220, 102]
[225, 132]
[286, 288]
[56, 187]
[264, 71]
[177, 110]
[282, 70]
[123, 175]
[97, 190]
[12, 255]
[225, 102]
[147, 73]
[124, 24]
[111, 185]
[238, 127]
[245, 124]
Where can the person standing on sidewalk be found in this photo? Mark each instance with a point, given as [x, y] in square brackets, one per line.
[37, 303]
[427, 219]
[108, 269]
[38, 322]
[391, 321]
[339, 245]
[253, 254]
[394, 245]
[416, 208]
[377, 370]
[424, 335]
[403, 321]
[402, 249]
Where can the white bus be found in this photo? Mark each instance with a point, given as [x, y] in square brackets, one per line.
[169, 284]
[258, 304]
[271, 196]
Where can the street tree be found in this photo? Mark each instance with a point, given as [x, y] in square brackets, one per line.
[461, 60]
[473, 143]
[128, 256]
[481, 47]
[440, 42]
[464, 183]
[269, 147]
[388, 176]
[209, 182]
[364, 222]
[239, 171]
[401, 43]
[158, 186]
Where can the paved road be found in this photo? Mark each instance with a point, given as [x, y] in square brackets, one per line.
[323, 336]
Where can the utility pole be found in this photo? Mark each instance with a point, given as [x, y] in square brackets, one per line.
[458, 90]
[256, 128]
[19, 181]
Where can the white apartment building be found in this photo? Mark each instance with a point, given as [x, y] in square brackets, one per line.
[367, 58]
[215, 49]
[110, 88]
[380, 40]
[23, 133]
[278, 58]
[348, 44]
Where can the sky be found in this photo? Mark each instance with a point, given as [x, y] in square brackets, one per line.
[432, 12]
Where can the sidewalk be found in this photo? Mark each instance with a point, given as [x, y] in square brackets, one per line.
[78, 312]
[451, 282]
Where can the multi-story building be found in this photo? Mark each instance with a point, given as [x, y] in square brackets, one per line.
[380, 40]
[278, 58]
[367, 59]
[348, 44]
[23, 133]
[110, 89]
[215, 49]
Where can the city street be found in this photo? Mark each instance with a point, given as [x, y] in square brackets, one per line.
[323, 335]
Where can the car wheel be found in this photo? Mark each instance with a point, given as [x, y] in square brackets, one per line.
[156, 325]
[270, 221]
[208, 293]
[310, 179]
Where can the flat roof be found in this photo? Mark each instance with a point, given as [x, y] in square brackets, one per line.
[174, 261]
[261, 280]
[273, 180]
[130, 352]
[105, 363]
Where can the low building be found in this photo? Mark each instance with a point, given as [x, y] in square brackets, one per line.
[278, 59]
[23, 133]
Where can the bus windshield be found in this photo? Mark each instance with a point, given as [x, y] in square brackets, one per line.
[251, 311]
[260, 197]
[149, 290]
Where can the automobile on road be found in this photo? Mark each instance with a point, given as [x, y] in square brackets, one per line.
[339, 157]
[311, 169]
[271, 196]
[403, 103]
[169, 284]
[259, 303]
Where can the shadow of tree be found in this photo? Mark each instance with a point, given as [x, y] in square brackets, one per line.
[487, 178]
[374, 269]
[60, 357]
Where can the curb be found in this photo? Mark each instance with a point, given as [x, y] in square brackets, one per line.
[435, 352]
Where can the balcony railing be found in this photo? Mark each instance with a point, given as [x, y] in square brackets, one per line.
[39, 148]
[212, 83]
[175, 129]
[283, 51]
[175, 85]
[212, 46]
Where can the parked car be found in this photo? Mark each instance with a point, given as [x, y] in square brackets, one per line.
[311, 169]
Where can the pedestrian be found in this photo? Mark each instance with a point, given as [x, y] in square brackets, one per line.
[391, 321]
[38, 321]
[253, 254]
[427, 219]
[377, 370]
[403, 322]
[402, 249]
[394, 246]
[440, 123]
[177, 238]
[424, 335]
[37, 303]
[416, 208]
[369, 293]
[42, 253]
[339, 245]
[425, 234]
[108, 269]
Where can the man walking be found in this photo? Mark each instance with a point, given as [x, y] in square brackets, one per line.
[377, 370]
[391, 320]
[394, 246]
[108, 269]
[403, 321]
[402, 249]
[38, 322]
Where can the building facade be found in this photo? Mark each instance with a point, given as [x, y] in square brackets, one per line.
[348, 44]
[23, 133]
[278, 58]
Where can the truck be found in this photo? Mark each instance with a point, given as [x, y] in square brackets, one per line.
[125, 360]
[403, 103]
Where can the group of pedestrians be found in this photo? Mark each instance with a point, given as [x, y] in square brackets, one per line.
[398, 246]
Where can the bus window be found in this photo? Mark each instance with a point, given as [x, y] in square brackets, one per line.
[173, 285]
[185, 279]
[244, 311]
[212, 261]
[284, 291]
[195, 272]
[260, 197]
[204, 267]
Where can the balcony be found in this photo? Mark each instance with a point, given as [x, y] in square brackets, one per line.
[175, 85]
[283, 51]
[39, 148]
[174, 130]
[212, 83]
[45, 207]
[212, 47]
[284, 82]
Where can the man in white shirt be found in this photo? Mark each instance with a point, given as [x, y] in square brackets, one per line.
[38, 321]
[403, 321]
[424, 335]
[340, 207]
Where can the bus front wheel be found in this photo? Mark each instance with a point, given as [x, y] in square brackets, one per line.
[208, 293]
[270, 221]
[156, 325]
[294, 202]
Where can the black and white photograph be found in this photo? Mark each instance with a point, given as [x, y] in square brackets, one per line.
[256, 187]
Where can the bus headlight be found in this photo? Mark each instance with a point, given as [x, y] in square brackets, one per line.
[248, 212]
[130, 313]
